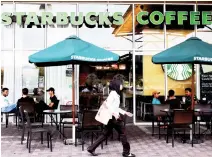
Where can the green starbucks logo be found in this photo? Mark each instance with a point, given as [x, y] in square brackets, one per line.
[179, 72]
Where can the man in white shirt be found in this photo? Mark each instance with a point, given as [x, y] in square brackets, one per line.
[5, 103]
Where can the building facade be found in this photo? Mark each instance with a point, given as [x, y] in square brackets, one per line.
[143, 41]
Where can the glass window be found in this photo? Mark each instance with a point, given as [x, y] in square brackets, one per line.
[36, 79]
[107, 37]
[205, 34]
[56, 33]
[7, 72]
[148, 36]
[149, 78]
[7, 31]
[29, 38]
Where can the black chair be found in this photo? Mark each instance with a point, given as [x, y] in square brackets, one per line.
[32, 130]
[159, 117]
[66, 119]
[10, 114]
[30, 108]
[23, 121]
[89, 125]
[203, 116]
[182, 121]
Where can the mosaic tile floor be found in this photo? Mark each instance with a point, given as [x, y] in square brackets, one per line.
[142, 144]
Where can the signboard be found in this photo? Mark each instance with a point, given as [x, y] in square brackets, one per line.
[206, 85]
[41, 82]
[69, 73]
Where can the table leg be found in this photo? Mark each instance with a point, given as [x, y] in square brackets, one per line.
[57, 126]
[6, 117]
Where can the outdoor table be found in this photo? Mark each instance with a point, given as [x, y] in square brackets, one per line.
[56, 112]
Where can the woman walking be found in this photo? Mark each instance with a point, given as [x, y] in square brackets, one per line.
[112, 104]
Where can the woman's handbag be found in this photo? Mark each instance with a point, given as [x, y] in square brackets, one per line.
[103, 115]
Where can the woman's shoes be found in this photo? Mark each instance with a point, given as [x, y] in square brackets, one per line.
[128, 155]
[92, 152]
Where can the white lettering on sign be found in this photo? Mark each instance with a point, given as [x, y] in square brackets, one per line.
[82, 58]
[206, 59]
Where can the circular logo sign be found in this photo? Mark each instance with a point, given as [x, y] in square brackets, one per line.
[179, 72]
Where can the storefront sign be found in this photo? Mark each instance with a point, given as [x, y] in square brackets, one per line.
[104, 18]
[179, 72]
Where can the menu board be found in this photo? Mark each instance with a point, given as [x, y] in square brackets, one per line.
[206, 85]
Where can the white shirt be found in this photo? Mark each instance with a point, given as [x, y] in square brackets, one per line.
[4, 101]
[113, 102]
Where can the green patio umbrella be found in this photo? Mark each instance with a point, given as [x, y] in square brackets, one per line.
[73, 50]
[192, 51]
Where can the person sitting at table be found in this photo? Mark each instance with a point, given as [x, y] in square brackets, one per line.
[53, 102]
[38, 95]
[188, 100]
[26, 99]
[6, 104]
[26, 102]
[172, 100]
[155, 100]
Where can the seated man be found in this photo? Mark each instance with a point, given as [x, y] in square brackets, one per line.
[173, 101]
[6, 105]
[53, 102]
[26, 100]
[188, 100]
[155, 100]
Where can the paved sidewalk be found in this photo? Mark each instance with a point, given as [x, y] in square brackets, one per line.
[142, 144]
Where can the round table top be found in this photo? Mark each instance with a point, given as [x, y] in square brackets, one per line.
[57, 111]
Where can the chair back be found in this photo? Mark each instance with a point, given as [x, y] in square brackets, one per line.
[183, 117]
[157, 109]
[88, 119]
[28, 106]
[84, 100]
[202, 107]
[68, 108]
[95, 101]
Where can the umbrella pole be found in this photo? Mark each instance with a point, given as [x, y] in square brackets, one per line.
[73, 104]
[192, 88]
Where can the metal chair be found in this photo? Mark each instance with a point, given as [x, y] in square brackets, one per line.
[203, 116]
[89, 125]
[157, 113]
[32, 130]
[23, 122]
[182, 121]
